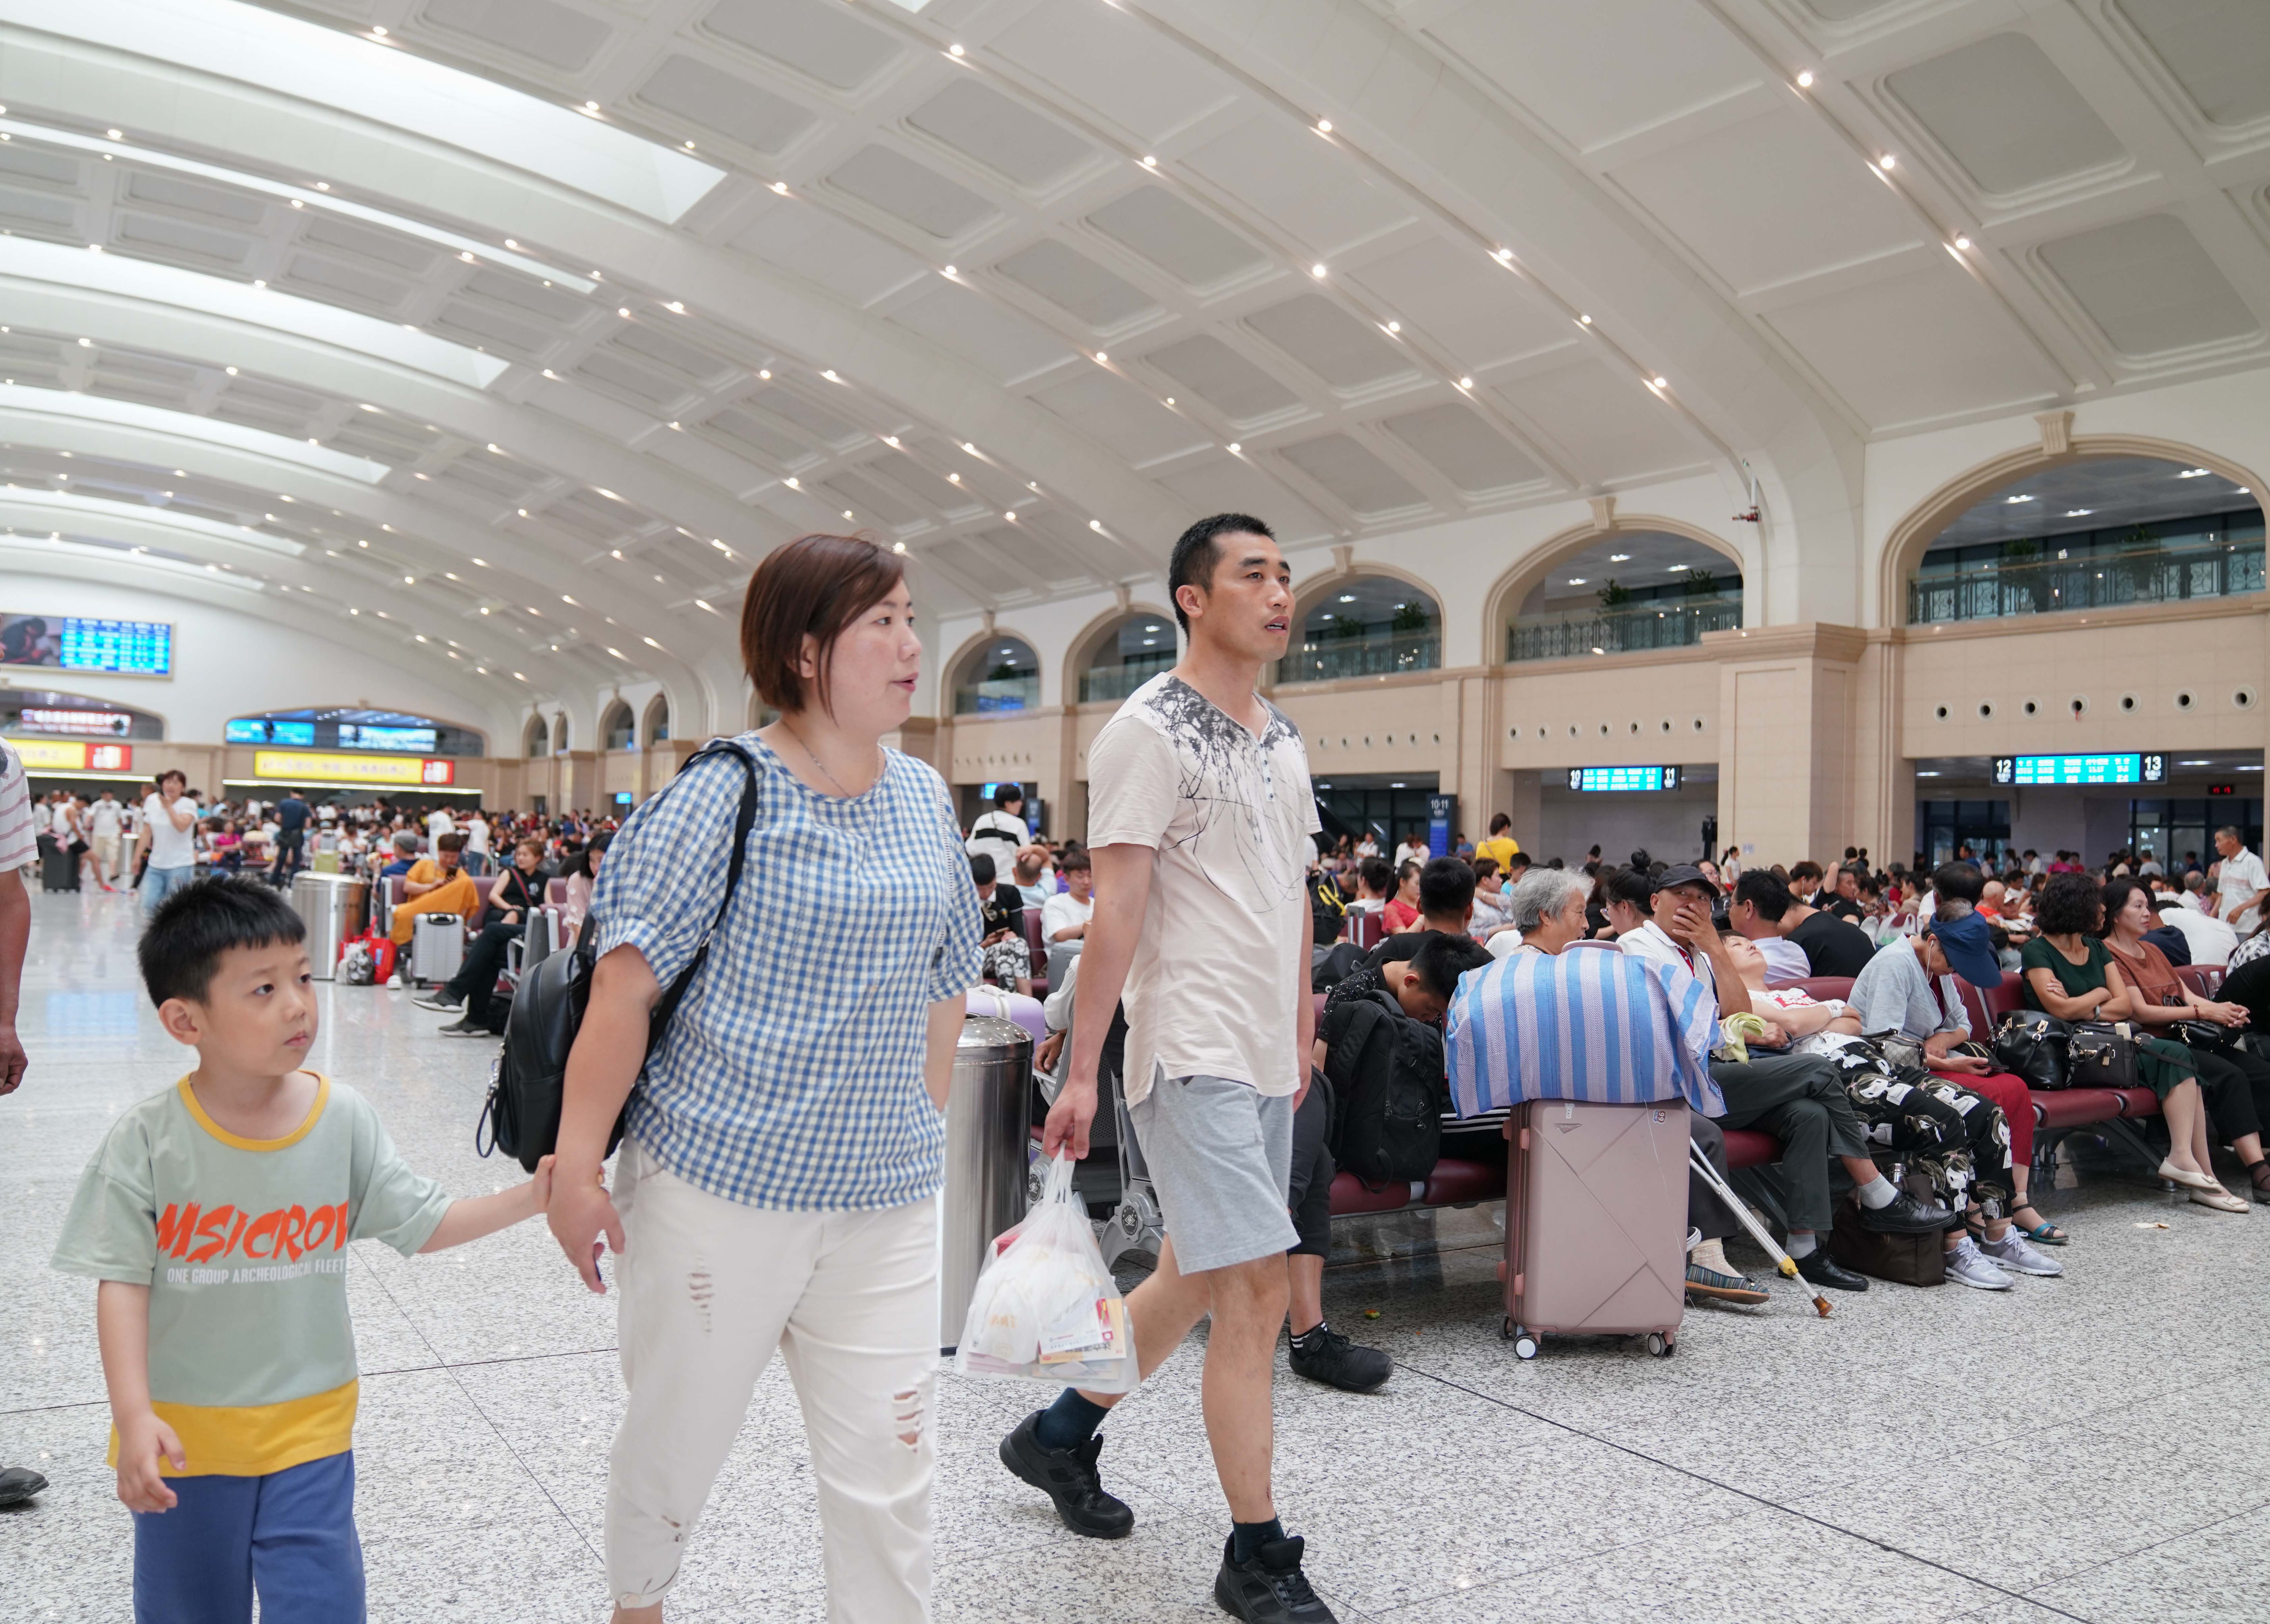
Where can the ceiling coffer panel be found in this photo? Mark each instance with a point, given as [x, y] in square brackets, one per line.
[911, 192]
[1207, 367]
[816, 37]
[1350, 471]
[1006, 136]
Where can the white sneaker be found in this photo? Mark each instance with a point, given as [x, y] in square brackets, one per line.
[1968, 1266]
[2015, 1251]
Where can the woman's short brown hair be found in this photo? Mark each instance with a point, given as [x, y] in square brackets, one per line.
[814, 587]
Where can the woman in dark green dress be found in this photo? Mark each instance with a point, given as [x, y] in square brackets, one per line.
[2070, 975]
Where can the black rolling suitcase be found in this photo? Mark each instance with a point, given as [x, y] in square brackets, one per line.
[58, 868]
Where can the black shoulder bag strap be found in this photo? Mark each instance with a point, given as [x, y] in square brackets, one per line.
[744, 820]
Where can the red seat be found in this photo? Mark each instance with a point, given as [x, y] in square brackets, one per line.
[1456, 1181]
[1350, 1195]
[1747, 1148]
[2204, 979]
[2077, 1108]
[2136, 1101]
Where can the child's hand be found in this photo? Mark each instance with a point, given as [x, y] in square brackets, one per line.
[540, 1184]
[142, 1439]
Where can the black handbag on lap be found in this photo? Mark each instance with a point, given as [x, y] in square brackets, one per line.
[2031, 1045]
[2102, 1054]
[522, 1117]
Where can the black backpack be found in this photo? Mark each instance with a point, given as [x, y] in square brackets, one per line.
[1388, 1077]
[522, 1117]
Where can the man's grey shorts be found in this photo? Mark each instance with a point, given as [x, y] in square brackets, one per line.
[1221, 1158]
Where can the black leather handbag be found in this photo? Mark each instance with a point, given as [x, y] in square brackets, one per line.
[2032, 1045]
[2101, 1054]
[529, 1081]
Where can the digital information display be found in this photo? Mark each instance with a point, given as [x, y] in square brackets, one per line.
[299, 766]
[370, 736]
[262, 731]
[2117, 768]
[72, 756]
[1594, 779]
[73, 642]
[114, 723]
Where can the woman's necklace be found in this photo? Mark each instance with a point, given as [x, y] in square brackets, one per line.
[814, 758]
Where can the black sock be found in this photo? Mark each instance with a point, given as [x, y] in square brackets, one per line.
[1312, 1336]
[1246, 1539]
[1069, 1422]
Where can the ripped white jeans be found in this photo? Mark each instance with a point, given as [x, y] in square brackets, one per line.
[708, 1288]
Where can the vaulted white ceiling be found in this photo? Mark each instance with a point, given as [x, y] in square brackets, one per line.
[522, 326]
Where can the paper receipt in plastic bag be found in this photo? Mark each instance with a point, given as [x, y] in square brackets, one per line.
[1045, 1308]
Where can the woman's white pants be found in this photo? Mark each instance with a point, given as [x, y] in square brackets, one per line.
[708, 1288]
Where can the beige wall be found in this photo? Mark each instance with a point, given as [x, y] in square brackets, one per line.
[1814, 730]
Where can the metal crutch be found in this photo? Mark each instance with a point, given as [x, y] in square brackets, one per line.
[1741, 1209]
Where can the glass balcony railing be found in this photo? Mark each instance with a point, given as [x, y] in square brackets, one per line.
[1668, 623]
[2098, 578]
[1374, 653]
[1117, 682]
[996, 695]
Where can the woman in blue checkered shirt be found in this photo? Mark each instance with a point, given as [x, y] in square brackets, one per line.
[786, 1140]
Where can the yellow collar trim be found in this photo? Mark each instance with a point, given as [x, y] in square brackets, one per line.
[237, 1141]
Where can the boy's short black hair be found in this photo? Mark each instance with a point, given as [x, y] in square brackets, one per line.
[1376, 874]
[1442, 958]
[1446, 886]
[182, 948]
[1074, 862]
[982, 872]
[1008, 795]
[1631, 886]
[1196, 552]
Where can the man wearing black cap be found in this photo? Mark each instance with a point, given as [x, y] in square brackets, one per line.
[1798, 1099]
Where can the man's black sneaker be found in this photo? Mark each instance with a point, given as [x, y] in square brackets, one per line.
[439, 999]
[1336, 1361]
[1906, 1215]
[1068, 1477]
[1269, 1589]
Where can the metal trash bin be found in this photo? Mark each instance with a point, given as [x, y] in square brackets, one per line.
[987, 1132]
[331, 906]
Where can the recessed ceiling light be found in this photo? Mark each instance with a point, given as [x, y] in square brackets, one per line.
[1170, 400]
[2079, 512]
[1962, 243]
[1675, 568]
[1465, 383]
[1619, 558]
[1011, 516]
[378, 31]
[2195, 473]
[954, 49]
[1150, 162]
[1504, 257]
[1395, 327]
[1889, 161]
[2012, 501]
[829, 372]
[591, 106]
[1101, 357]
[1584, 321]
[1661, 382]
[1096, 525]
[230, 370]
[897, 546]
[1317, 270]
[1347, 598]
[955, 478]
[1805, 79]
[970, 447]
[949, 271]
[791, 483]
[1575, 581]
[1324, 127]
[781, 187]
[764, 372]
[1234, 448]
[113, 134]
[891, 439]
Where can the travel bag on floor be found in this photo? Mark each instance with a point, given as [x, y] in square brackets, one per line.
[1902, 1259]
[1596, 1221]
[437, 947]
[58, 869]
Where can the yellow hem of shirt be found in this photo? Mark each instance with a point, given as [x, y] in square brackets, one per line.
[253, 1440]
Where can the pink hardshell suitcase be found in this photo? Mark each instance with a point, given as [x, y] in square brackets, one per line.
[1596, 1222]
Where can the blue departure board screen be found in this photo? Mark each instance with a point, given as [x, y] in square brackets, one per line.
[269, 730]
[370, 736]
[2117, 767]
[1610, 779]
[74, 642]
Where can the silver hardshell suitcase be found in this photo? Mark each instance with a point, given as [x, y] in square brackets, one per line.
[437, 948]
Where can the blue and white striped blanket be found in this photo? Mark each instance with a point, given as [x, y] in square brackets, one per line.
[1589, 1023]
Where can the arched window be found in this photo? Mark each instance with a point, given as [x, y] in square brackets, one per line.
[617, 731]
[1002, 673]
[537, 739]
[1624, 591]
[658, 719]
[1367, 625]
[560, 734]
[2091, 534]
[1127, 657]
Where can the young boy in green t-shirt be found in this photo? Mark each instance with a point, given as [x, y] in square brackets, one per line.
[216, 1217]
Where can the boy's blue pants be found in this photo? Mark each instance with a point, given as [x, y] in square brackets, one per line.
[289, 1535]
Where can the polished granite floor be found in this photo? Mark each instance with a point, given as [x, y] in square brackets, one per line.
[2089, 1447]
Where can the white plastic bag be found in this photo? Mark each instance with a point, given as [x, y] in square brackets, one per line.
[1045, 1308]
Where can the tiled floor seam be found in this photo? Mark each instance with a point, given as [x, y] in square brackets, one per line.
[542, 1487]
[2124, 1556]
[1749, 1495]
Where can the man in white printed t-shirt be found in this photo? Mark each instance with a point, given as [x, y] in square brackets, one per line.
[106, 819]
[1199, 827]
[2241, 883]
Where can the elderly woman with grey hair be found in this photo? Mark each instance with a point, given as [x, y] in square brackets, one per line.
[1548, 911]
